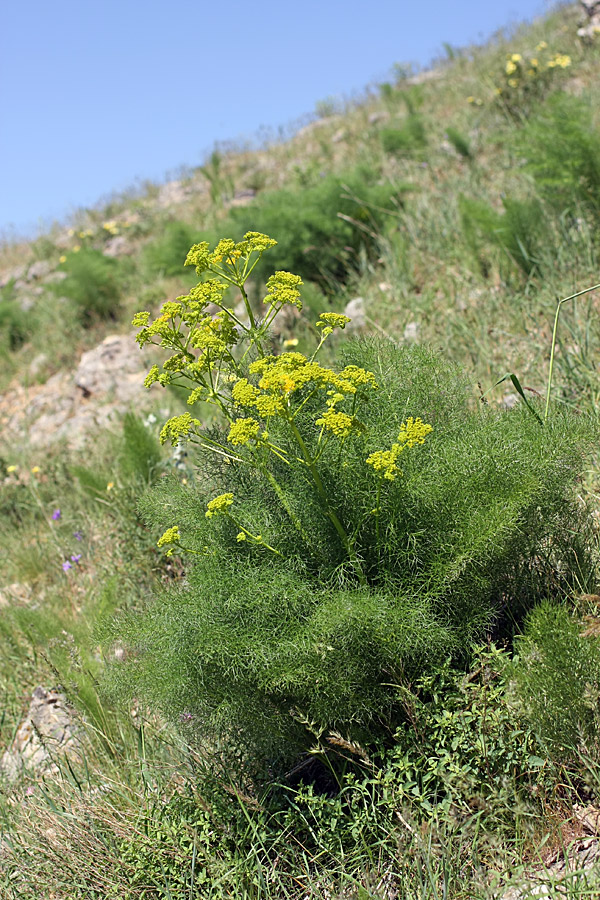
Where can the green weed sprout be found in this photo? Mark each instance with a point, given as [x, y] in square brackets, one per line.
[221, 359]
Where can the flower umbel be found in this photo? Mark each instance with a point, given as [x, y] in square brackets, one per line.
[219, 505]
[242, 431]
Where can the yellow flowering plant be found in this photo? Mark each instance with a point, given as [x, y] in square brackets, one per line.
[526, 79]
[222, 358]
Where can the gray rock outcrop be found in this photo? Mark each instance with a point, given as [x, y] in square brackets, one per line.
[47, 731]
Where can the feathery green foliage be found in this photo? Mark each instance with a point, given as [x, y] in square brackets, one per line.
[322, 230]
[557, 677]
[406, 139]
[93, 284]
[255, 644]
[166, 255]
[561, 144]
[521, 231]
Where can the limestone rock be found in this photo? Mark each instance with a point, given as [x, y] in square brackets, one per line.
[48, 730]
[376, 117]
[54, 277]
[591, 29]
[101, 370]
[411, 332]
[117, 246]
[355, 310]
[107, 382]
[18, 592]
[39, 269]
[14, 274]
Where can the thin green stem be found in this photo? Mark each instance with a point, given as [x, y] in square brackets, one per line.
[256, 538]
[283, 500]
[553, 346]
[377, 511]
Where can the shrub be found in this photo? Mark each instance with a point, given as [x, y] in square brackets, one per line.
[525, 81]
[464, 746]
[93, 283]
[521, 232]
[15, 325]
[166, 256]
[323, 229]
[557, 676]
[562, 148]
[459, 142]
[408, 139]
[324, 575]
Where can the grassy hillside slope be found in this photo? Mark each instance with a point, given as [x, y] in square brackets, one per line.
[448, 210]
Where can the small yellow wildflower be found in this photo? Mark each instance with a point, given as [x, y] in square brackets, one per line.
[384, 461]
[76, 248]
[171, 536]
[71, 232]
[513, 83]
[339, 423]
[243, 430]
[62, 259]
[542, 46]
[534, 63]
[413, 431]
[178, 428]
[110, 485]
[291, 342]
[516, 57]
[11, 469]
[510, 67]
[35, 470]
[283, 290]
[334, 320]
[219, 505]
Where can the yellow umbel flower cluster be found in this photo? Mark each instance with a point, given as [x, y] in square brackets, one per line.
[227, 251]
[283, 375]
[339, 423]
[283, 290]
[169, 538]
[219, 505]
[179, 428]
[243, 430]
[412, 432]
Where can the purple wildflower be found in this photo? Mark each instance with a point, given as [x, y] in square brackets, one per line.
[186, 717]
[76, 557]
[56, 514]
[78, 535]
[67, 565]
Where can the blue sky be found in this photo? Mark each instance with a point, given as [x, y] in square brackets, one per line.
[97, 95]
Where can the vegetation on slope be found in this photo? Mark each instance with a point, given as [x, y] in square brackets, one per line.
[406, 704]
